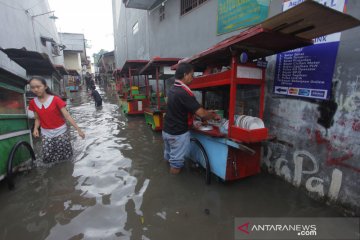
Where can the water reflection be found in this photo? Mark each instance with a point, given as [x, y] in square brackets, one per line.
[102, 174]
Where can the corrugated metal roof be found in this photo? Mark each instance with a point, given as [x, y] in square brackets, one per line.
[33, 62]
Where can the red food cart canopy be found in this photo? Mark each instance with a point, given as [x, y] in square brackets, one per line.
[150, 68]
[134, 65]
[291, 29]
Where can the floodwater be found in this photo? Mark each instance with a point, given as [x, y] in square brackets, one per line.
[118, 187]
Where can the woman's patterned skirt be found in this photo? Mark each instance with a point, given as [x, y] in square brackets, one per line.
[56, 149]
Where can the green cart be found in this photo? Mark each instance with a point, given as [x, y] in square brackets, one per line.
[16, 152]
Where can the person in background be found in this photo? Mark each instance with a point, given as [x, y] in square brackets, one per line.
[50, 114]
[181, 106]
[97, 98]
[88, 81]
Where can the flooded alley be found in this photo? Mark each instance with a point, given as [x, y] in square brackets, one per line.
[179, 119]
[118, 187]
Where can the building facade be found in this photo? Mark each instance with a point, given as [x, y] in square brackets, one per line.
[29, 35]
[75, 57]
[105, 67]
[321, 158]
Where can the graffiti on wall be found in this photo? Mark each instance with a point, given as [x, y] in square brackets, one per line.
[301, 158]
[332, 151]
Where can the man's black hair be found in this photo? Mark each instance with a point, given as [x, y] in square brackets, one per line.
[182, 69]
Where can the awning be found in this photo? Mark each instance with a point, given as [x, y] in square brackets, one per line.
[12, 72]
[134, 66]
[150, 68]
[310, 20]
[33, 62]
[61, 69]
[292, 29]
[142, 4]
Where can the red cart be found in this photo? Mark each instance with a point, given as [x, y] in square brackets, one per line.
[233, 80]
[135, 88]
[158, 68]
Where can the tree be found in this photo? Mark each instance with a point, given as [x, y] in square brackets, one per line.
[97, 56]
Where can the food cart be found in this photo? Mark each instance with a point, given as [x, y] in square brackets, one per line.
[158, 68]
[15, 137]
[233, 80]
[135, 88]
[119, 83]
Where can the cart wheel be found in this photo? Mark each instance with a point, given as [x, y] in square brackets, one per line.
[9, 175]
[199, 156]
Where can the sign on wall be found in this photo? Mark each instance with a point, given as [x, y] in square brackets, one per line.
[307, 72]
[236, 14]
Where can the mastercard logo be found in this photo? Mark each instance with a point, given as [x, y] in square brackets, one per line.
[293, 91]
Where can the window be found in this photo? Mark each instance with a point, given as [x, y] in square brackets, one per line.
[188, 5]
[162, 12]
[135, 28]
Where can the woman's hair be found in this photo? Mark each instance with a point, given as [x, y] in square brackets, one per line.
[43, 82]
[182, 69]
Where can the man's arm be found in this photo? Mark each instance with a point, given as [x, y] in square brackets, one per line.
[206, 115]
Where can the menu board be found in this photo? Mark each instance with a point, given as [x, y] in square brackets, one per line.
[308, 72]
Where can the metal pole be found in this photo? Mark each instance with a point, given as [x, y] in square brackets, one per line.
[130, 78]
[232, 95]
[147, 86]
[157, 88]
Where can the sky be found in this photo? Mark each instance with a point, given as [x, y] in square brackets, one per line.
[93, 18]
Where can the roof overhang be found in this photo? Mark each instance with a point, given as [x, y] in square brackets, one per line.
[142, 4]
[133, 67]
[150, 68]
[11, 72]
[34, 63]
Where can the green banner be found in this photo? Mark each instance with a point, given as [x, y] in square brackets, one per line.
[236, 14]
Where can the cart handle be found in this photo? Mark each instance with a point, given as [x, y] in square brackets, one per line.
[246, 149]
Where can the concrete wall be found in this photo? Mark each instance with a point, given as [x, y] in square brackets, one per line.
[175, 36]
[324, 162]
[72, 60]
[74, 42]
[129, 45]
[19, 29]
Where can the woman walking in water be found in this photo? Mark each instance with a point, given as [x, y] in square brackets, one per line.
[50, 114]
